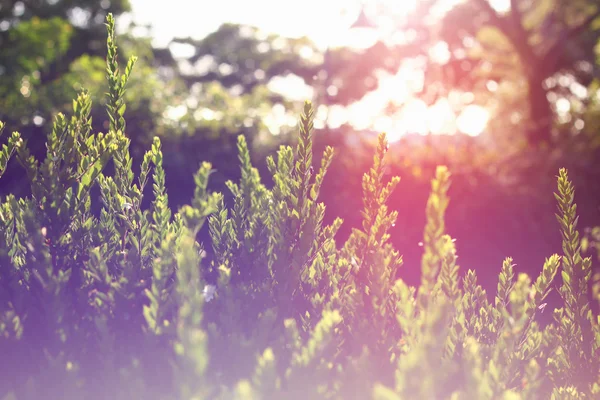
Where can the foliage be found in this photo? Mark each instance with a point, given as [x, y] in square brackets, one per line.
[118, 306]
[42, 40]
[53, 51]
[243, 57]
[531, 53]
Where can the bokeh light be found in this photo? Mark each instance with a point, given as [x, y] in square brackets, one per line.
[330, 28]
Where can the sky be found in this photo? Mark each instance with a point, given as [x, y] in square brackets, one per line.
[197, 18]
[327, 27]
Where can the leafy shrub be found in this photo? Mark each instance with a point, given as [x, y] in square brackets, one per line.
[116, 305]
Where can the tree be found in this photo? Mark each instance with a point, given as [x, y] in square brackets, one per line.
[43, 38]
[53, 49]
[526, 44]
[242, 57]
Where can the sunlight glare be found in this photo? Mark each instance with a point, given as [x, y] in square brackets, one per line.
[473, 120]
[414, 117]
[383, 124]
[501, 6]
[441, 118]
[328, 28]
[292, 86]
[398, 8]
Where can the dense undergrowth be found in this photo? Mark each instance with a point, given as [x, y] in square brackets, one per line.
[124, 304]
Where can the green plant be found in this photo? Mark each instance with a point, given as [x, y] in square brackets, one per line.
[123, 305]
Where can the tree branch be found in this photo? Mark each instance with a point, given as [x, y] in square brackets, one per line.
[516, 17]
[515, 12]
[517, 35]
[496, 19]
[551, 56]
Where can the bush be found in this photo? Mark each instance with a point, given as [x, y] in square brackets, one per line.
[117, 306]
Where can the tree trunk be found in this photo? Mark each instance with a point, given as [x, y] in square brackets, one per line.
[541, 116]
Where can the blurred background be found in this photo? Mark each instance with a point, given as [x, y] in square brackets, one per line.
[503, 92]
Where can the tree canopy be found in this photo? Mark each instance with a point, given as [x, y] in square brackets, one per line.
[546, 47]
